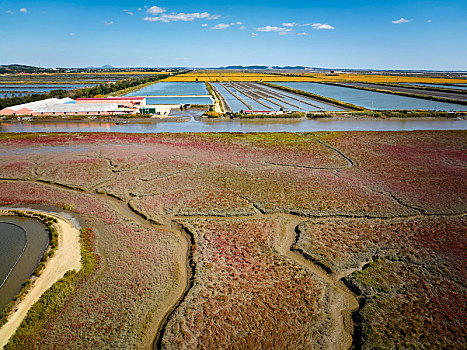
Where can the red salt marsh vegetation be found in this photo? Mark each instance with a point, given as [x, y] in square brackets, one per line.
[186, 228]
[245, 295]
[414, 272]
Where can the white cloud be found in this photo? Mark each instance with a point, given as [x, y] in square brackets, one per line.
[430, 20]
[289, 24]
[285, 33]
[23, 10]
[155, 10]
[253, 35]
[109, 23]
[227, 25]
[128, 12]
[402, 20]
[221, 26]
[273, 29]
[322, 26]
[72, 34]
[303, 33]
[9, 12]
[185, 17]
[204, 25]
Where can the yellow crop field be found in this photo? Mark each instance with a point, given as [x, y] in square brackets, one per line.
[367, 78]
[222, 76]
[236, 76]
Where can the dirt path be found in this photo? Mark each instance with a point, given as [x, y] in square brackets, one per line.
[67, 257]
[218, 103]
[160, 315]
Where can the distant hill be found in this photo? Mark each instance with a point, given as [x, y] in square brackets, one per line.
[101, 67]
[20, 68]
[265, 67]
[244, 67]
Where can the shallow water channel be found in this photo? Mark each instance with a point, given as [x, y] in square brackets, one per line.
[372, 99]
[450, 86]
[191, 122]
[246, 96]
[22, 244]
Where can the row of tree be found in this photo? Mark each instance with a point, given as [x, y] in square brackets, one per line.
[102, 89]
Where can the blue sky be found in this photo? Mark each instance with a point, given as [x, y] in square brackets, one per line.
[339, 34]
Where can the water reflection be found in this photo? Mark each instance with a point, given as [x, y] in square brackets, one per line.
[372, 99]
[194, 124]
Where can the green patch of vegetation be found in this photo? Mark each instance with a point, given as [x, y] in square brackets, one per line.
[43, 312]
[388, 114]
[239, 115]
[69, 207]
[134, 116]
[369, 276]
[263, 139]
[211, 114]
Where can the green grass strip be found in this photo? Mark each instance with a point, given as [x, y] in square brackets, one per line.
[50, 304]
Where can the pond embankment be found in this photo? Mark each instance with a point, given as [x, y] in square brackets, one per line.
[67, 257]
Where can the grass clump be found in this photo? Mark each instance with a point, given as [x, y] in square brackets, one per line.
[240, 115]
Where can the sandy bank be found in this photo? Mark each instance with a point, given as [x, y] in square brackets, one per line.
[67, 257]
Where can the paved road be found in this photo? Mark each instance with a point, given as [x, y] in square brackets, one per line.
[445, 94]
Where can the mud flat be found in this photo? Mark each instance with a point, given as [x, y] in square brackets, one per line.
[276, 222]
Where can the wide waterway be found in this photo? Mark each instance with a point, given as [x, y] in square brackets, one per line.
[22, 244]
[192, 124]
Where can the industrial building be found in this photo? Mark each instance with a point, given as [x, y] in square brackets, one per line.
[120, 101]
[80, 106]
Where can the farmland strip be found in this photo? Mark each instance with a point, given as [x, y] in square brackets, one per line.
[237, 97]
[267, 94]
[332, 101]
[292, 97]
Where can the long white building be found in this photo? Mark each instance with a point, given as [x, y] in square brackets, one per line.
[80, 106]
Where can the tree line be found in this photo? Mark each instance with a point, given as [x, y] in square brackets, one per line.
[102, 89]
